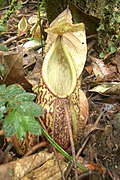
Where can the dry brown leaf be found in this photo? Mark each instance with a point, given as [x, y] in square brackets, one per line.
[47, 171]
[107, 88]
[99, 68]
[75, 42]
[116, 59]
[13, 63]
[91, 167]
[90, 128]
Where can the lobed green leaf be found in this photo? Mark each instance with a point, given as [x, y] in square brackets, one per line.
[2, 89]
[21, 133]
[30, 124]
[25, 96]
[2, 70]
[2, 111]
[10, 124]
[30, 108]
[22, 111]
[13, 90]
[15, 102]
[19, 123]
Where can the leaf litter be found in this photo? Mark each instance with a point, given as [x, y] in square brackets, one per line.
[103, 146]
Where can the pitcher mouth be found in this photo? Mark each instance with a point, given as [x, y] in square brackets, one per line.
[58, 70]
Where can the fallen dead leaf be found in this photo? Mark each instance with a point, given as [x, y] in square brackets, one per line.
[107, 88]
[104, 72]
[47, 171]
[13, 64]
[91, 166]
[90, 128]
[99, 68]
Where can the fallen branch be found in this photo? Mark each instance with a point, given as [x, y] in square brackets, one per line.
[19, 168]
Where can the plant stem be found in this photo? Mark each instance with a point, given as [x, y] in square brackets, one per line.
[72, 142]
[9, 11]
[62, 151]
[39, 9]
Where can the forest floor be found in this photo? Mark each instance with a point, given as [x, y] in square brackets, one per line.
[100, 82]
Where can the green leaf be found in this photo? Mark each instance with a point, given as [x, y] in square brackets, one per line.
[13, 90]
[23, 103]
[3, 100]
[22, 111]
[25, 96]
[30, 108]
[2, 111]
[112, 49]
[22, 25]
[101, 28]
[30, 124]
[2, 89]
[2, 28]
[2, 70]
[102, 55]
[111, 46]
[118, 19]
[19, 123]
[9, 125]
[3, 47]
[18, 5]
[30, 38]
[21, 133]
[117, 37]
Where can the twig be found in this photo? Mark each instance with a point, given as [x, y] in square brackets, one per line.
[39, 9]
[77, 155]
[59, 165]
[8, 41]
[34, 148]
[72, 142]
[94, 59]
[87, 175]
[62, 151]
[110, 53]
[91, 36]
[83, 146]
[91, 44]
[100, 115]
